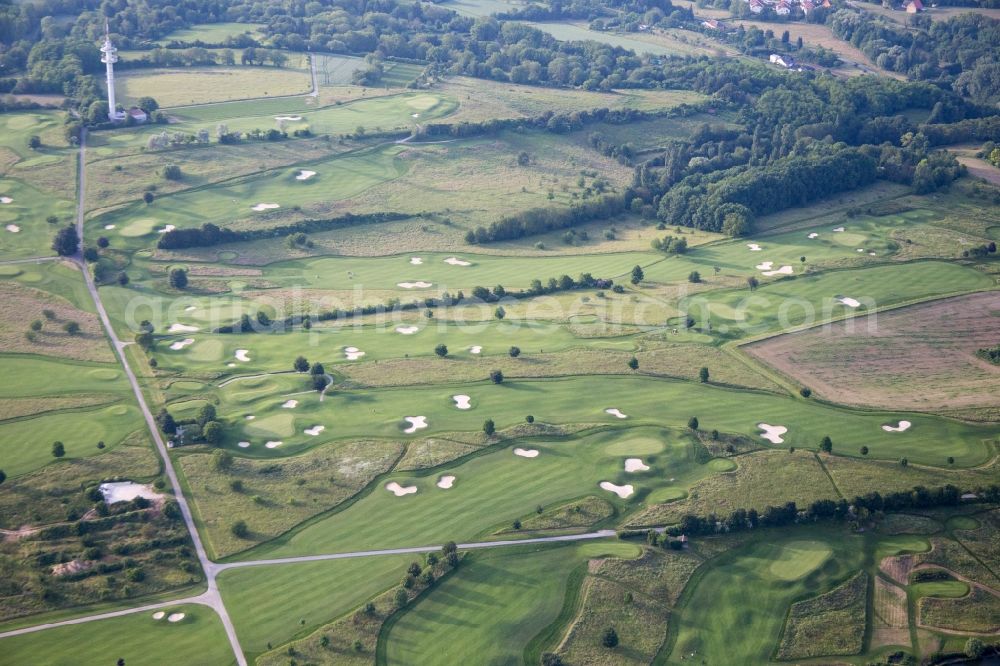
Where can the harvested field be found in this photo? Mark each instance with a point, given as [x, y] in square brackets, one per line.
[920, 357]
[890, 624]
[812, 34]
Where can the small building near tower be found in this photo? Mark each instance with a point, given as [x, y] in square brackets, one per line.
[138, 115]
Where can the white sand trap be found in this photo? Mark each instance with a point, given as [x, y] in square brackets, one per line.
[416, 423]
[241, 355]
[813, 235]
[181, 344]
[273, 444]
[419, 284]
[125, 491]
[158, 615]
[614, 411]
[784, 270]
[181, 328]
[475, 349]
[290, 404]
[526, 453]
[264, 206]
[764, 265]
[414, 115]
[243, 445]
[175, 617]
[839, 229]
[407, 330]
[353, 353]
[848, 301]
[416, 261]
[6, 200]
[772, 433]
[446, 482]
[635, 465]
[109, 227]
[165, 229]
[462, 401]
[399, 490]
[872, 254]
[622, 491]
[305, 174]
[249, 417]
[230, 365]
[315, 430]
[754, 247]
[903, 426]
[861, 249]
[190, 308]
[288, 118]
[455, 261]
[13, 228]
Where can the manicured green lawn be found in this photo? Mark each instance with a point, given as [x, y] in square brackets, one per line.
[645, 400]
[940, 588]
[268, 603]
[138, 639]
[492, 607]
[491, 490]
[735, 611]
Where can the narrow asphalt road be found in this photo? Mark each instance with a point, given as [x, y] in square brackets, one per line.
[211, 597]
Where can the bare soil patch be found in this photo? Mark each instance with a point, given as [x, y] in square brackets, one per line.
[921, 357]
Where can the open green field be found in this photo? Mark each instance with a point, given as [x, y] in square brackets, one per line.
[733, 612]
[213, 33]
[203, 85]
[574, 32]
[137, 639]
[273, 604]
[492, 608]
[34, 184]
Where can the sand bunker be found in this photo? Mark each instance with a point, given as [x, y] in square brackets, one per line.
[416, 423]
[230, 365]
[407, 330]
[305, 174]
[475, 349]
[181, 344]
[315, 430]
[181, 328]
[902, 426]
[264, 206]
[455, 261]
[446, 482]
[462, 401]
[109, 227]
[6, 200]
[813, 235]
[125, 491]
[772, 433]
[614, 411]
[526, 453]
[249, 417]
[414, 115]
[861, 249]
[165, 229]
[784, 270]
[848, 301]
[839, 229]
[635, 465]
[416, 261]
[419, 284]
[158, 615]
[190, 308]
[241, 355]
[399, 490]
[13, 228]
[353, 353]
[622, 491]
[290, 404]
[273, 444]
[872, 254]
[175, 617]
[288, 118]
[764, 265]
[754, 247]
[243, 445]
